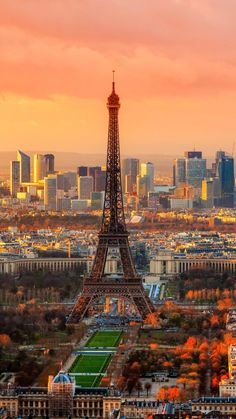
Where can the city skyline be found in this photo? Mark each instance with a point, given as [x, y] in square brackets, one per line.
[180, 88]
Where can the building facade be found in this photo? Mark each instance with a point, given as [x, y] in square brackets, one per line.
[50, 193]
[49, 164]
[85, 187]
[225, 172]
[24, 161]
[148, 170]
[14, 177]
[170, 263]
[130, 172]
[39, 167]
[15, 266]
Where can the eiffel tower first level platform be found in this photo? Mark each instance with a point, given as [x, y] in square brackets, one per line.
[131, 290]
[113, 234]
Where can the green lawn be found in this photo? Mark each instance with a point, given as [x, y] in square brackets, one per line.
[105, 339]
[88, 380]
[90, 363]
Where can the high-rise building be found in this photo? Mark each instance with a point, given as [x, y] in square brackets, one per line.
[60, 181]
[85, 187]
[210, 192]
[100, 180]
[49, 163]
[147, 169]
[190, 170]
[82, 171]
[70, 180]
[225, 172]
[24, 166]
[179, 172]
[92, 171]
[50, 192]
[195, 169]
[14, 177]
[193, 154]
[39, 167]
[97, 200]
[143, 185]
[130, 173]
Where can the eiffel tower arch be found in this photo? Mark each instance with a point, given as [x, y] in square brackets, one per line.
[113, 234]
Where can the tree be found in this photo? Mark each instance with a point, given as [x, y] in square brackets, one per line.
[153, 346]
[121, 382]
[5, 340]
[139, 387]
[148, 387]
[173, 393]
[162, 394]
[130, 384]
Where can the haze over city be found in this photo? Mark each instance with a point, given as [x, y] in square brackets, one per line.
[175, 71]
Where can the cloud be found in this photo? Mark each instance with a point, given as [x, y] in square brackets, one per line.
[171, 47]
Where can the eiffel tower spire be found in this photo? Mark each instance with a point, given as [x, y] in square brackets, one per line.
[113, 234]
[113, 231]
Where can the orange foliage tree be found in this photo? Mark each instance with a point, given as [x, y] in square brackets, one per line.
[5, 340]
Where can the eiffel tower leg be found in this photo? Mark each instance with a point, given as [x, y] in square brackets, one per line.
[107, 305]
[99, 261]
[123, 306]
[126, 261]
[119, 305]
[80, 309]
[143, 305]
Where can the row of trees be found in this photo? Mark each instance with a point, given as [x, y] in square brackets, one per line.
[211, 294]
[28, 222]
[206, 284]
[40, 285]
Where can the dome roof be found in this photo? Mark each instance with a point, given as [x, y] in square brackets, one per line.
[62, 377]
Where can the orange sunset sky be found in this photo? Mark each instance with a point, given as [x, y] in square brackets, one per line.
[175, 63]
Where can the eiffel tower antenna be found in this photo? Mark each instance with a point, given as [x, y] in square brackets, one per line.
[113, 234]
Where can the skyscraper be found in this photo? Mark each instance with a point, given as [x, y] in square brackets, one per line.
[82, 171]
[193, 154]
[100, 180]
[225, 172]
[92, 171]
[190, 170]
[49, 163]
[210, 192]
[50, 192]
[39, 167]
[24, 161]
[147, 169]
[143, 185]
[14, 177]
[179, 172]
[130, 173]
[85, 187]
[195, 168]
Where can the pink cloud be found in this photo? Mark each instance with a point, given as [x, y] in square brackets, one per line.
[170, 47]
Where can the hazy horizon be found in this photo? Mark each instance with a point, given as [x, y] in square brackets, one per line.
[70, 160]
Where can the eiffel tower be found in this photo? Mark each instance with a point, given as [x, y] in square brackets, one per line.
[113, 234]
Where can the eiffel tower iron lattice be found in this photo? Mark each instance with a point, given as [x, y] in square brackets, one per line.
[113, 234]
